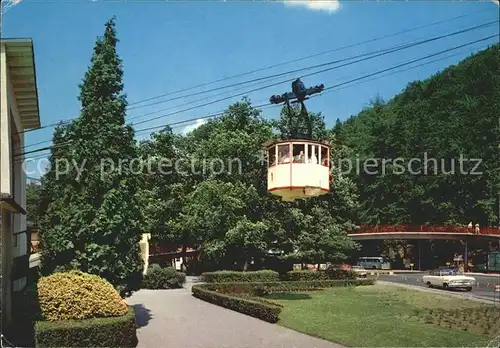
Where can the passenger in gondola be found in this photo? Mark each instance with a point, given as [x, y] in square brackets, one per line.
[300, 157]
[285, 158]
[313, 159]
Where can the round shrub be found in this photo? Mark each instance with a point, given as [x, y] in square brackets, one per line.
[158, 277]
[181, 278]
[78, 295]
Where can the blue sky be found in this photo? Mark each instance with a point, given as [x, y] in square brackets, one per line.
[167, 46]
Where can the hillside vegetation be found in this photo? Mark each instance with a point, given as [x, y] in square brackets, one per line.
[451, 115]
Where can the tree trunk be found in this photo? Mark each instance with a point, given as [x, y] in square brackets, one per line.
[245, 265]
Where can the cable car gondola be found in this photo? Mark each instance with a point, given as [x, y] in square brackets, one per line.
[298, 167]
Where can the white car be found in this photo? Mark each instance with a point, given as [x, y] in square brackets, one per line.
[448, 279]
[360, 271]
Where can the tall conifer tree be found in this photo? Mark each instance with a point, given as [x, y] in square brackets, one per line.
[91, 220]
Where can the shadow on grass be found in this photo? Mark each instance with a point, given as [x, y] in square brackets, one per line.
[142, 315]
[289, 296]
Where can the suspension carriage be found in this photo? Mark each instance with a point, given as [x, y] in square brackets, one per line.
[298, 167]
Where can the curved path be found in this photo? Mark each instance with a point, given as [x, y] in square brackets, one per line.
[176, 319]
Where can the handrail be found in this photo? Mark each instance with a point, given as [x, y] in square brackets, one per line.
[425, 228]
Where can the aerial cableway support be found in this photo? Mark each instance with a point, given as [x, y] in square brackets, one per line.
[298, 95]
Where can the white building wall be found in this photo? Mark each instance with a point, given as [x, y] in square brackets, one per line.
[13, 245]
[5, 230]
[5, 131]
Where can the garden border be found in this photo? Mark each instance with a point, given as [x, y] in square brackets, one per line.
[95, 332]
[234, 296]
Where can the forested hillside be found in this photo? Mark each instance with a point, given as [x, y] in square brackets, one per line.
[451, 115]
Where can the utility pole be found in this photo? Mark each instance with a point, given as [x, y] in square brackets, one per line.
[466, 258]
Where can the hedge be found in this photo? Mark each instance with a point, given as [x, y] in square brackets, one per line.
[96, 332]
[265, 311]
[261, 288]
[235, 276]
[318, 275]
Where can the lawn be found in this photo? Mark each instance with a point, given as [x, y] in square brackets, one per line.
[379, 315]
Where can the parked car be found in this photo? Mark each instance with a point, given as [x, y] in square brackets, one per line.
[338, 267]
[360, 271]
[448, 279]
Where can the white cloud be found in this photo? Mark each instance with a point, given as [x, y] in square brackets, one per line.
[192, 127]
[329, 6]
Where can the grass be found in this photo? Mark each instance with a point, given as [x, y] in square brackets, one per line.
[378, 315]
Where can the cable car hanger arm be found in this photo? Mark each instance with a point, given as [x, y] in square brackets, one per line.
[298, 95]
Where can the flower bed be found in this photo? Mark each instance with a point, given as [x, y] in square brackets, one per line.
[278, 287]
[318, 275]
[483, 320]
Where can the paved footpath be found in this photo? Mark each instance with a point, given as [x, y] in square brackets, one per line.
[176, 319]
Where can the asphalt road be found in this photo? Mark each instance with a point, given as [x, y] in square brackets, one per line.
[484, 288]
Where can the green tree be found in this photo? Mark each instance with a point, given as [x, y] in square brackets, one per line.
[91, 217]
[225, 169]
[163, 184]
[33, 201]
[215, 211]
[291, 123]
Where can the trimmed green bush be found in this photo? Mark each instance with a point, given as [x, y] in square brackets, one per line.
[256, 288]
[78, 295]
[308, 275]
[258, 309]
[235, 276]
[158, 277]
[97, 332]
